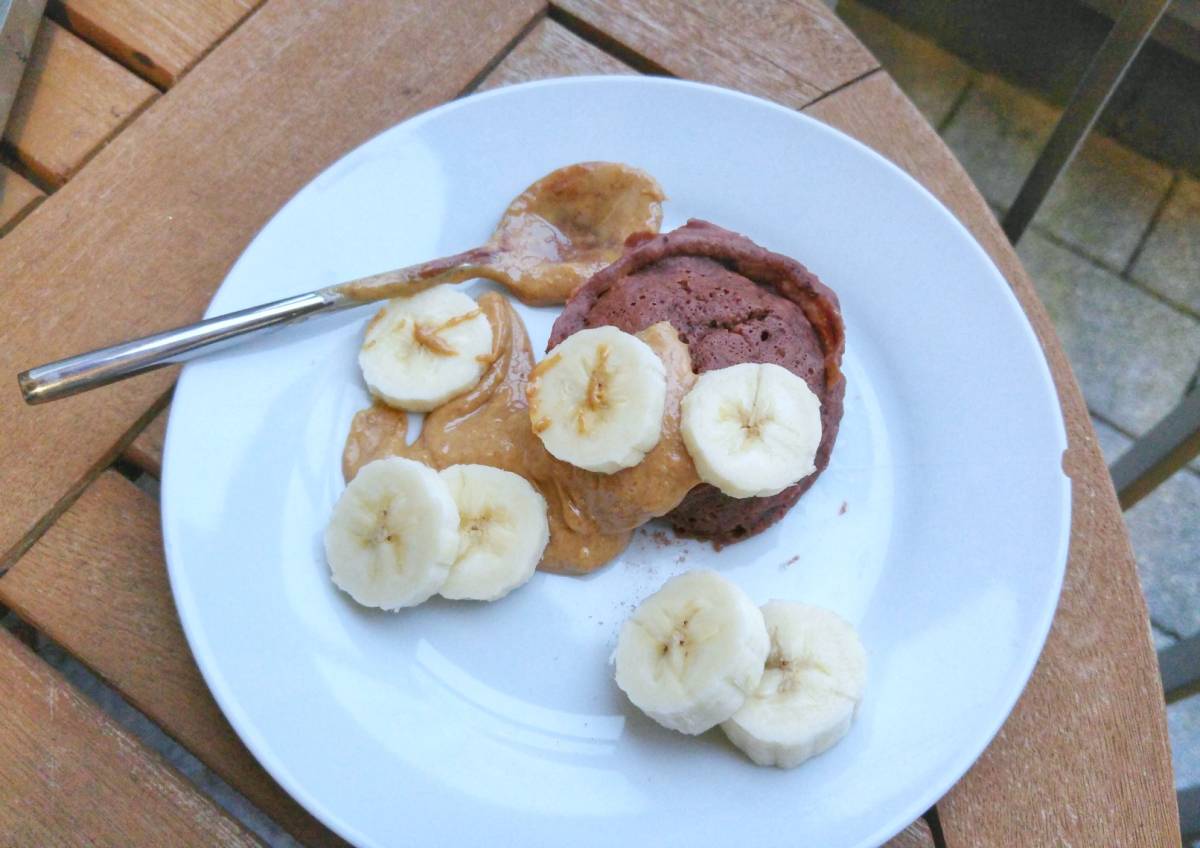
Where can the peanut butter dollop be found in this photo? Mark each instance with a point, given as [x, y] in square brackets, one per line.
[591, 515]
[551, 238]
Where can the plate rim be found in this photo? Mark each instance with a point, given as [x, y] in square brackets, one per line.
[249, 733]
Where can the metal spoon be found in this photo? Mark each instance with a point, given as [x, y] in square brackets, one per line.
[553, 236]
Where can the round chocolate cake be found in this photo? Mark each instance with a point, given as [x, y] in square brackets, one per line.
[731, 301]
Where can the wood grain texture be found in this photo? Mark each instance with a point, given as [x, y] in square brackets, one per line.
[146, 449]
[551, 50]
[792, 52]
[140, 238]
[96, 583]
[1084, 758]
[17, 197]
[156, 40]
[916, 835]
[72, 99]
[70, 776]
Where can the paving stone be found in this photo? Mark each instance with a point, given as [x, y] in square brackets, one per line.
[997, 134]
[1162, 639]
[1170, 260]
[1104, 201]
[1165, 531]
[1132, 354]
[931, 77]
[1183, 725]
[1112, 441]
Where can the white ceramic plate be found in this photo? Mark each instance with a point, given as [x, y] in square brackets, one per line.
[940, 527]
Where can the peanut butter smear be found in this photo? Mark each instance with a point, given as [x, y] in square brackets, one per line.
[591, 515]
[553, 236]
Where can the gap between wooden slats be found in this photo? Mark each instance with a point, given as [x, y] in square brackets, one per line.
[789, 52]
[159, 41]
[71, 100]
[70, 776]
[17, 197]
[146, 449]
[96, 584]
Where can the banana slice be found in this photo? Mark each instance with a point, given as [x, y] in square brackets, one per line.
[691, 652]
[420, 351]
[810, 691]
[596, 401]
[393, 534]
[752, 429]
[502, 529]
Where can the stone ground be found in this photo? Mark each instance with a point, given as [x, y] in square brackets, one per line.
[1115, 255]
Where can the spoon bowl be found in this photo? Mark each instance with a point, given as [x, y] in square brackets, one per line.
[553, 236]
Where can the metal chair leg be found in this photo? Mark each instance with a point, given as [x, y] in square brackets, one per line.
[1099, 81]
[1160, 453]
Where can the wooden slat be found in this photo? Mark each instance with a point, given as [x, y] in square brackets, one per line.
[146, 449]
[792, 52]
[96, 584]
[140, 238]
[550, 50]
[17, 197]
[72, 99]
[156, 40]
[1084, 758]
[70, 776]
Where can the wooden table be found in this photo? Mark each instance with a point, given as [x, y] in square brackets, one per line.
[152, 139]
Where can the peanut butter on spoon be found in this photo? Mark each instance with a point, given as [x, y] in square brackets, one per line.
[553, 236]
[591, 515]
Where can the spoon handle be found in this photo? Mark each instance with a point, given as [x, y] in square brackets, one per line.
[97, 368]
